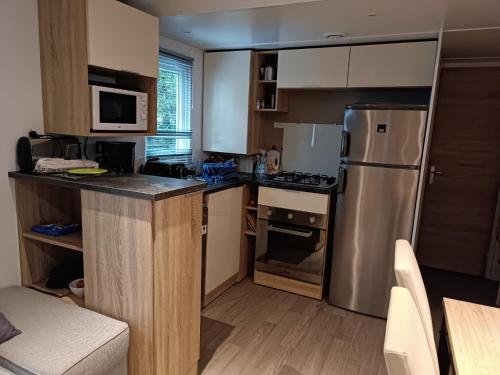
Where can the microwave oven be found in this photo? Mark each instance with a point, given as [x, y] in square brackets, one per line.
[118, 110]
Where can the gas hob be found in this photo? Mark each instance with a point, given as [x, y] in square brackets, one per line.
[304, 179]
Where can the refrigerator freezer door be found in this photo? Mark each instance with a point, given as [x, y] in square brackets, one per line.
[375, 209]
[393, 137]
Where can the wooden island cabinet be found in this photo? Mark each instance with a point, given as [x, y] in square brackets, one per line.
[141, 247]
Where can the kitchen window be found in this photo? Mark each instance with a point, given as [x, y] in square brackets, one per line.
[173, 140]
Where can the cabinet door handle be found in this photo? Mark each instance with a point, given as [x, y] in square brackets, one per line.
[307, 234]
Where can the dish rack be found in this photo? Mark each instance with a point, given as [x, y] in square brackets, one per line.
[216, 173]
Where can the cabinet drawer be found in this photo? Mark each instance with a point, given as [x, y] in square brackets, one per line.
[294, 200]
[313, 67]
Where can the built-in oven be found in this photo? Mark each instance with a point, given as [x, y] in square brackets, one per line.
[291, 243]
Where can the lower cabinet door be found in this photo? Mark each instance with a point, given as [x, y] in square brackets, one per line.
[223, 238]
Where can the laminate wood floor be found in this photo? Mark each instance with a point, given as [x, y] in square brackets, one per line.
[254, 330]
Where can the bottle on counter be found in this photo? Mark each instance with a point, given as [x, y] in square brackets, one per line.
[260, 168]
[273, 161]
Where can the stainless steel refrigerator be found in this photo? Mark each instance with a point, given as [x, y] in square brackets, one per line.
[380, 165]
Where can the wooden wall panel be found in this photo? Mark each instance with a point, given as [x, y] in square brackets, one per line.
[177, 283]
[327, 107]
[64, 69]
[118, 261]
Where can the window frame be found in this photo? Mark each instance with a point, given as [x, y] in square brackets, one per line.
[178, 156]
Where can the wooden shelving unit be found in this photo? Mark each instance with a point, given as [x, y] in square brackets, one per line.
[248, 232]
[266, 89]
[70, 241]
[41, 253]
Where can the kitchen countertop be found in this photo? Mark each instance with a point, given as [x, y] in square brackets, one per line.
[133, 185]
[245, 178]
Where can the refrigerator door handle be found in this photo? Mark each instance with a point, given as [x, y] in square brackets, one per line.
[342, 180]
[344, 145]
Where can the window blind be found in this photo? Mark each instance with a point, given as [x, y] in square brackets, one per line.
[173, 140]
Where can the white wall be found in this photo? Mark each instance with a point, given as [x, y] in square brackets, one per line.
[21, 110]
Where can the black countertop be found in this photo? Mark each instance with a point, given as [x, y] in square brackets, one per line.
[245, 178]
[133, 185]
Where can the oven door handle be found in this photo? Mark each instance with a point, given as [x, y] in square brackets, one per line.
[272, 228]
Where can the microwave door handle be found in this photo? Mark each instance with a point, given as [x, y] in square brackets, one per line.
[272, 228]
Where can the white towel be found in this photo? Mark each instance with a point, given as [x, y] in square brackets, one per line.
[54, 165]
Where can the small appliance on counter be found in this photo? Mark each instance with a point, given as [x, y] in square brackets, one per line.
[118, 157]
[157, 167]
[39, 146]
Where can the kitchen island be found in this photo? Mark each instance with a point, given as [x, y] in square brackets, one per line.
[141, 249]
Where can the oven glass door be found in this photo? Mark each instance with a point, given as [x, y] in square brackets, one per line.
[289, 250]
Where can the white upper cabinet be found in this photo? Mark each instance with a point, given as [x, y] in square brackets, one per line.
[122, 38]
[313, 68]
[392, 65]
[226, 96]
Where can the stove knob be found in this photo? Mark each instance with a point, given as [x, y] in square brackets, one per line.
[269, 212]
[290, 216]
[312, 219]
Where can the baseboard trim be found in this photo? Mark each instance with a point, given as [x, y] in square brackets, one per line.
[210, 297]
[288, 285]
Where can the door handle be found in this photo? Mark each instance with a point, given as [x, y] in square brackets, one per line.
[434, 172]
[307, 234]
[342, 180]
[344, 144]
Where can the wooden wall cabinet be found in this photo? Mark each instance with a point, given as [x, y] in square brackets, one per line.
[223, 241]
[313, 68]
[120, 37]
[102, 37]
[392, 65]
[227, 119]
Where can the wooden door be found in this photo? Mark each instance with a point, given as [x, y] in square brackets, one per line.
[459, 206]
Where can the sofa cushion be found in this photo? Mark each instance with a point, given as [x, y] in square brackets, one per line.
[60, 338]
[7, 330]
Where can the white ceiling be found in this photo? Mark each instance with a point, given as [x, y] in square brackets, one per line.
[303, 24]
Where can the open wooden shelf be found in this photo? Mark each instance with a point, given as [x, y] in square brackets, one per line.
[71, 241]
[65, 294]
[250, 233]
[71, 298]
[251, 208]
[267, 81]
[266, 110]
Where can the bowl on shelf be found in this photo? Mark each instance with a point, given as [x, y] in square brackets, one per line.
[77, 287]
